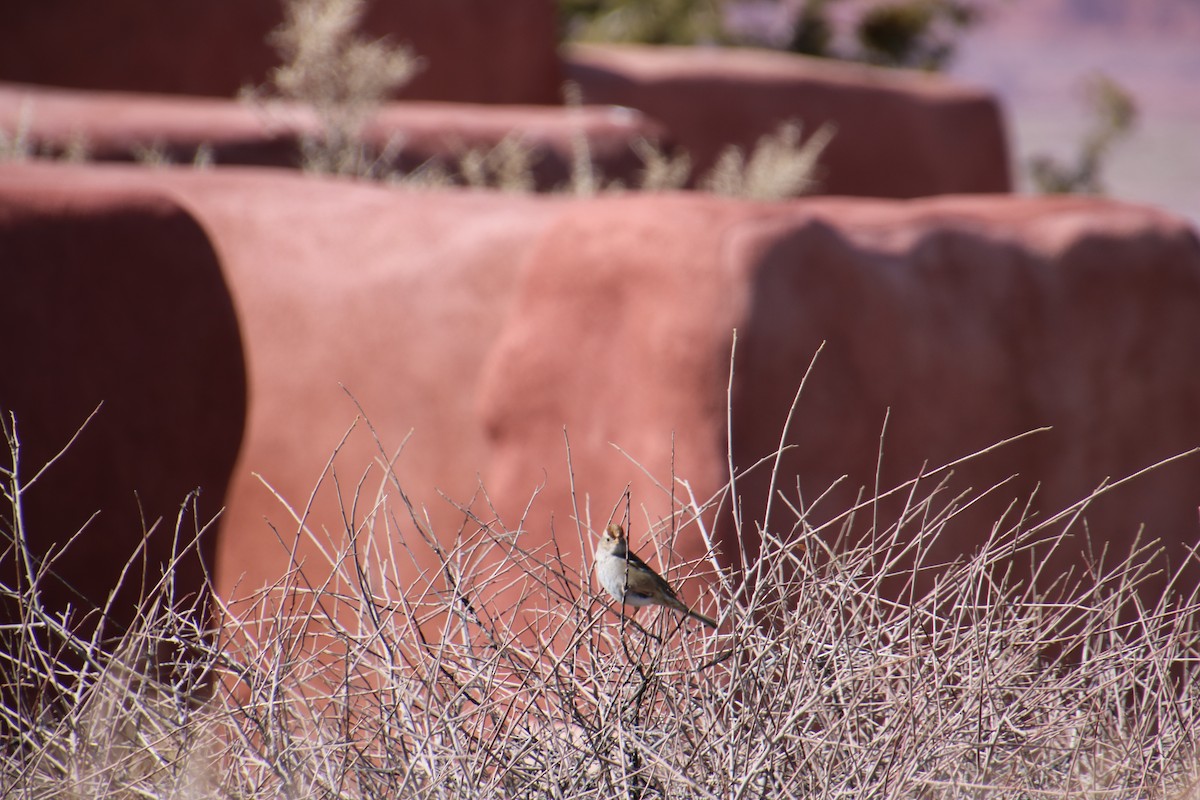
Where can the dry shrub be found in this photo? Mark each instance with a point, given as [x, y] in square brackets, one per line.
[1112, 116]
[17, 145]
[341, 77]
[20, 145]
[354, 685]
[508, 166]
[779, 167]
[344, 80]
[662, 171]
[109, 714]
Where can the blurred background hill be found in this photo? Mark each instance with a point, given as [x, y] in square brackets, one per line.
[1037, 54]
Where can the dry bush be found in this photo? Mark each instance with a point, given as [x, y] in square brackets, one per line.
[20, 145]
[17, 145]
[344, 81]
[662, 171]
[341, 77]
[1112, 116]
[349, 684]
[679, 22]
[779, 167]
[107, 714]
[508, 166]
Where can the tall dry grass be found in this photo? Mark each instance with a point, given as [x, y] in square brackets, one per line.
[356, 686]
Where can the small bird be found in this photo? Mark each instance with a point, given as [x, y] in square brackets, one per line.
[627, 578]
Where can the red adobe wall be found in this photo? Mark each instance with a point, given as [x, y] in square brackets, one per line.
[114, 301]
[900, 133]
[407, 135]
[478, 51]
[483, 324]
[962, 321]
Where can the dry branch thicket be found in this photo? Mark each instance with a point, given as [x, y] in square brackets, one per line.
[356, 686]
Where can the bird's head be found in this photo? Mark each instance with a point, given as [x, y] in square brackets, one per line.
[613, 539]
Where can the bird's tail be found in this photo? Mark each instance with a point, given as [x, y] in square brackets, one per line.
[681, 607]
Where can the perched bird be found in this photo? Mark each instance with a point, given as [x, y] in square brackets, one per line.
[627, 578]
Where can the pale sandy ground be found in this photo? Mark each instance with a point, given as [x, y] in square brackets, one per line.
[1038, 78]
